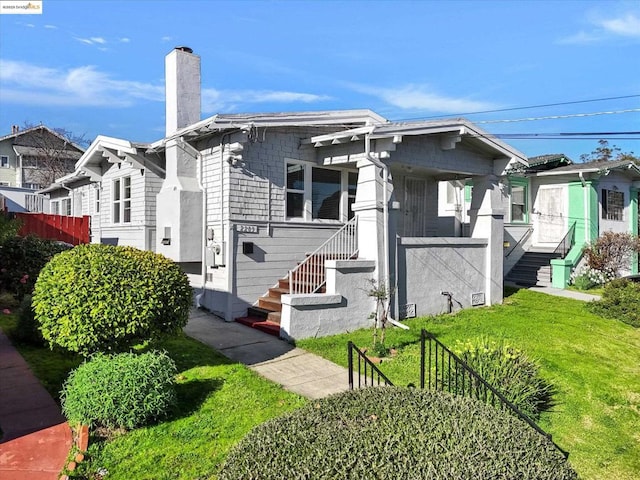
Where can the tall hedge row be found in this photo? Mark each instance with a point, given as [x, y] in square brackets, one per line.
[102, 298]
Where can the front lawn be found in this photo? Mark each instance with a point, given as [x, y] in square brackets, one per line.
[594, 363]
[219, 402]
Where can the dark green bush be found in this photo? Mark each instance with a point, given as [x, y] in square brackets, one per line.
[509, 370]
[101, 298]
[124, 390]
[620, 301]
[391, 432]
[26, 330]
[22, 259]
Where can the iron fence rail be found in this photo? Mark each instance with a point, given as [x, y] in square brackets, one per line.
[369, 375]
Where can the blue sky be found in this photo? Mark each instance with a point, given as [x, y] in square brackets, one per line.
[97, 67]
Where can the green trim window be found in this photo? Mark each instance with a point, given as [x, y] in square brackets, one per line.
[612, 205]
[519, 210]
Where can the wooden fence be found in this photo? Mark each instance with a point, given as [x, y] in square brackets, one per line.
[73, 230]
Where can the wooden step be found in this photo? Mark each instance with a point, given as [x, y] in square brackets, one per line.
[278, 292]
[261, 324]
[270, 303]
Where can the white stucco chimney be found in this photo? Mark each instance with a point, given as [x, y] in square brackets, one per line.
[182, 89]
[179, 201]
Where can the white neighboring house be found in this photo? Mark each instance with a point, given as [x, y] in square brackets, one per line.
[240, 200]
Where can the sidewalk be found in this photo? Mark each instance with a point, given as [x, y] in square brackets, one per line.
[36, 438]
[295, 369]
[558, 292]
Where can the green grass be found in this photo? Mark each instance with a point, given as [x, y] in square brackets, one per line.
[219, 402]
[594, 363]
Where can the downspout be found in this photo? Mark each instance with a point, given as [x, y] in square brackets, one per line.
[385, 214]
[587, 210]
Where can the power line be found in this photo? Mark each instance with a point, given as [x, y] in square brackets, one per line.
[574, 102]
[557, 117]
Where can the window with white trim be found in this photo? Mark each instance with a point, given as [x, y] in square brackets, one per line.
[32, 186]
[122, 200]
[65, 207]
[97, 204]
[612, 205]
[4, 161]
[55, 207]
[317, 193]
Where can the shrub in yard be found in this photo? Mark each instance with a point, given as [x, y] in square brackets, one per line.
[106, 298]
[509, 370]
[22, 259]
[621, 301]
[124, 390]
[611, 252]
[391, 432]
[26, 330]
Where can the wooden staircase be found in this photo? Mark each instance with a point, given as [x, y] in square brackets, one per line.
[265, 314]
[308, 277]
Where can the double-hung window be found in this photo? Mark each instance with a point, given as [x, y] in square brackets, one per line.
[519, 212]
[65, 207]
[317, 193]
[4, 161]
[122, 200]
[612, 205]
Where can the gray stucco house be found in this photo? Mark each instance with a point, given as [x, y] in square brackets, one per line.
[284, 218]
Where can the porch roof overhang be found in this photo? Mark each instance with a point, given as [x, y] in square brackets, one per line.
[450, 132]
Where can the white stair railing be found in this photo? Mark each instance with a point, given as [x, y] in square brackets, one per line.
[309, 275]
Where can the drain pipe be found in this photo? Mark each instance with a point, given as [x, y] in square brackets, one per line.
[385, 214]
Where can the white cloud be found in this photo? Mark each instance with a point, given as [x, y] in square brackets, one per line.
[86, 86]
[125, 40]
[627, 25]
[166, 39]
[605, 26]
[580, 38]
[24, 83]
[51, 27]
[84, 40]
[99, 40]
[229, 100]
[416, 97]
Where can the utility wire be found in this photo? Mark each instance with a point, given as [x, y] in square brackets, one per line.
[574, 102]
[556, 117]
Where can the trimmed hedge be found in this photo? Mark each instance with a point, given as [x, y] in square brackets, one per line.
[101, 298]
[125, 390]
[26, 330]
[620, 301]
[392, 432]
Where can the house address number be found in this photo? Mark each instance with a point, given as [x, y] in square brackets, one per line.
[247, 228]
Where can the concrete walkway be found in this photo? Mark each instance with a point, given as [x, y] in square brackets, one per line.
[295, 369]
[36, 438]
[558, 292]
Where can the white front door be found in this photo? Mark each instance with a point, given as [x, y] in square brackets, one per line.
[550, 215]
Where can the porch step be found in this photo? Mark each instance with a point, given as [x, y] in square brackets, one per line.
[261, 324]
[533, 269]
[265, 314]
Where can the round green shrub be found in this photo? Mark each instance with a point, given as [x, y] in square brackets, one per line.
[392, 432]
[507, 369]
[123, 390]
[620, 301]
[26, 330]
[102, 298]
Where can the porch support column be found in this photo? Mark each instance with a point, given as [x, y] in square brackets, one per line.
[487, 221]
[369, 210]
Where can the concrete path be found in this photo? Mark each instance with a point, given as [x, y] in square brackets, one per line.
[295, 369]
[36, 438]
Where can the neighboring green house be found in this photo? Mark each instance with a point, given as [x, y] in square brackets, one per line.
[558, 203]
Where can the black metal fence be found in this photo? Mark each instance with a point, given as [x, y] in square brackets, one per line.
[441, 369]
[368, 374]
